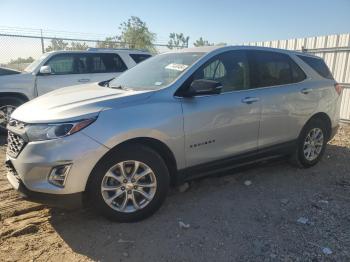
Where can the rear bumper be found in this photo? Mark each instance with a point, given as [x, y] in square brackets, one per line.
[67, 201]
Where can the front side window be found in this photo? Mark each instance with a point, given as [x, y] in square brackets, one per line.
[107, 63]
[35, 64]
[68, 64]
[273, 69]
[230, 69]
[156, 72]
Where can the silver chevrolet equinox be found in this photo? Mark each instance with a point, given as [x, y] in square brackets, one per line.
[119, 145]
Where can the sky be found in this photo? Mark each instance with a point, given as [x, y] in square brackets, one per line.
[218, 21]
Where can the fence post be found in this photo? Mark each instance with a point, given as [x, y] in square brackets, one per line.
[42, 41]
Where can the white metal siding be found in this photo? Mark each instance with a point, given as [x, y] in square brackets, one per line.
[329, 48]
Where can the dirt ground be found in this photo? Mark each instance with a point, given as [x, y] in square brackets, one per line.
[285, 214]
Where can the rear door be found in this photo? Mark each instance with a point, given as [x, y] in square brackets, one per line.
[284, 105]
[224, 125]
[104, 66]
[66, 69]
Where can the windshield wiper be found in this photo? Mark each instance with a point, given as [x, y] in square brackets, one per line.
[105, 83]
[121, 88]
[117, 87]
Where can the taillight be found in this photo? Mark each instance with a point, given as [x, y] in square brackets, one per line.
[338, 88]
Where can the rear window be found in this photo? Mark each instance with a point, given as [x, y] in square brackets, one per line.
[139, 57]
[273, 69]
[318, 65]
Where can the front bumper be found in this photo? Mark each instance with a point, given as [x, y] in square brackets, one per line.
[69, 201]
[28, 173]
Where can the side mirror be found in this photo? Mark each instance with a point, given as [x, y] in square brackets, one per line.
[204, 87]
[45, 70]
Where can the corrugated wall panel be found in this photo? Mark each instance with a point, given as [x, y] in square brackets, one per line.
[347, 72]
[291, 44]
[320, 42]
[310, 42]
[345, 105]
[274, 44]
[283, 44]
[344, 40]
[339, 71]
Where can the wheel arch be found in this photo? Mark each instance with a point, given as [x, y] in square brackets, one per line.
[160, 147]
[324, 118]
[21, 96]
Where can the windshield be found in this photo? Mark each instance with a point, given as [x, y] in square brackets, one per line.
[156, 72]
[34, 65]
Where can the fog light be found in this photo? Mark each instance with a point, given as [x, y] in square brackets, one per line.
[59, 174]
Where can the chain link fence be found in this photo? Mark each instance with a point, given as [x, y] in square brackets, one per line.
[18, 48]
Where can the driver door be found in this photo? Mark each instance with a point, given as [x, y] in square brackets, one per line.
[224, 125]
[67, 69]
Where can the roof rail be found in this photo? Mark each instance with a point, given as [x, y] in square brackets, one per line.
[116, 49]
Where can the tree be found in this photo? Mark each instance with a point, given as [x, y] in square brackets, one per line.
[135, 34]
[202, 42]
[19, 63]
[109, 42]
[21, 60]
[78, 46]
[56, 44]
[178, 40]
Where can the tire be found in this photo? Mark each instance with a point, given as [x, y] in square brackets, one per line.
[5, 104]
[147, 158]
[300, 157]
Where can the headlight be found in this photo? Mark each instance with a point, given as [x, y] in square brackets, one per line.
[38, 132]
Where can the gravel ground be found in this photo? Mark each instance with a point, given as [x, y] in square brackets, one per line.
[284, 214]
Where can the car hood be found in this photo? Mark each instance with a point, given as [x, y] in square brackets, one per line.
[8, 71]
[75, 102]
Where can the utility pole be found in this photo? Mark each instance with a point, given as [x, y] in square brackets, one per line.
[42, 41]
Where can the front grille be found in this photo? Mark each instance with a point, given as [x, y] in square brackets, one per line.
[15, 144]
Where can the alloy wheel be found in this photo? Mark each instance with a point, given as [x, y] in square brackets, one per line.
[313, 144]
[5, 114]
[128, 186]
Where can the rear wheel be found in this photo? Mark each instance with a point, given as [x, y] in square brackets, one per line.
[7, 106]
[130, 184]
[311, 144]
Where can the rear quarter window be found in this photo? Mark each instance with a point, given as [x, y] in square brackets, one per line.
[318, 65]
[139, 57]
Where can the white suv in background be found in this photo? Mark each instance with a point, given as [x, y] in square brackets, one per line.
[58, 69]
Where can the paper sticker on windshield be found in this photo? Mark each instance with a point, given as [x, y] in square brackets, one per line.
[177, 67]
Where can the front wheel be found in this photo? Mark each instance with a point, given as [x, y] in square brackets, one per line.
[130, 184]
[7, 106]
[311, 144]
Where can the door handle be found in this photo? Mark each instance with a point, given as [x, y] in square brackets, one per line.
[250, 100]
[305, 91]
[83, 80]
